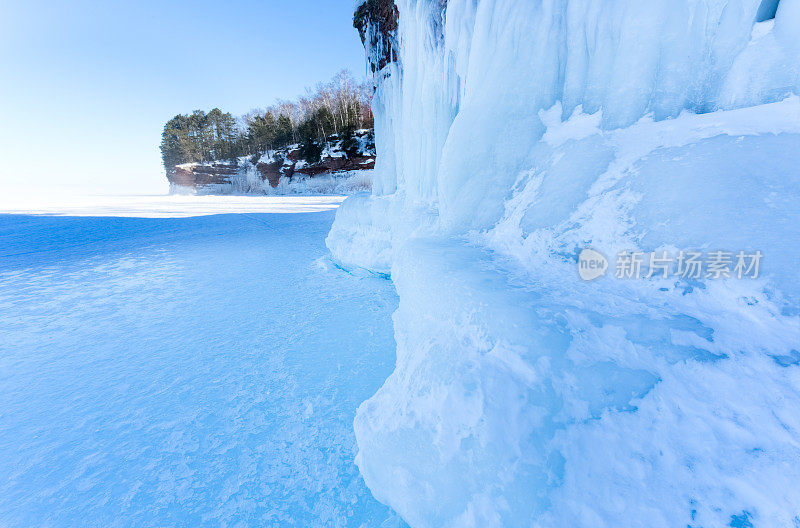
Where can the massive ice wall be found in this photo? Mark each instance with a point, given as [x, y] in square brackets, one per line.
[514, 133]
[476, 73]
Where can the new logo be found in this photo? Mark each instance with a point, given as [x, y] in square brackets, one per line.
[591, 265]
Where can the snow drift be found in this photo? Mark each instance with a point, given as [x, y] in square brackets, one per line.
[512, 134]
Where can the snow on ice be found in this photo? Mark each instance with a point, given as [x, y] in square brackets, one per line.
[522, 395]
[194, 371]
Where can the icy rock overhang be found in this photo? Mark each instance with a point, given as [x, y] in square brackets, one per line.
[377, 22]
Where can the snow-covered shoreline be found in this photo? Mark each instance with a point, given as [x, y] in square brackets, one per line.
[344, 167]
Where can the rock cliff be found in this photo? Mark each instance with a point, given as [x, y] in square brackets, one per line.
[255, 174]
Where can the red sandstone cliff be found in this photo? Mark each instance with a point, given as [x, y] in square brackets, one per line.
[271, 167]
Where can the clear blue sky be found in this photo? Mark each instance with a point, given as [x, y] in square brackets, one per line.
[86, 86]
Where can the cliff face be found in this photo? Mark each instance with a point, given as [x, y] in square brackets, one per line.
[251, 175]
[377, 22]
[195, 175]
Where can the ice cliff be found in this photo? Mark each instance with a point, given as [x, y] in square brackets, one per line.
[513, 134]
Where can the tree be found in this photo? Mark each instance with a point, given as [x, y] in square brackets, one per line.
[262, 132]
[338, 107]
[310, 146]
[200, 137]
[223, 133]
[285, 131]
[349, 144]
[174, 140]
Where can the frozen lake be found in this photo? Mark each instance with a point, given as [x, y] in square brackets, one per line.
[159, 206]
[185, 371]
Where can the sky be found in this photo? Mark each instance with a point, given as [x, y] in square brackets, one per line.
[86, 86]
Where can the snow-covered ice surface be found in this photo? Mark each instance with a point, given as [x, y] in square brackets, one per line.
[198, 371]
[524, 396]
[160, 206]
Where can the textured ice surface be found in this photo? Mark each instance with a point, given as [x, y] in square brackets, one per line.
[513, 371]
[158, 206]
[184, 372]
[512, 134]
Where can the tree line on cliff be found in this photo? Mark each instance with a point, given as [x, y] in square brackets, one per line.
[336, 108]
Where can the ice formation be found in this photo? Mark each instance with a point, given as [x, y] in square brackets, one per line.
[512, 134]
